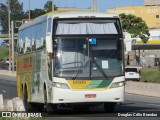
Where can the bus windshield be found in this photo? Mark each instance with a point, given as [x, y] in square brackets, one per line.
[91, 58]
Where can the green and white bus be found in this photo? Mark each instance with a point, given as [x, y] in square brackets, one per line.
[73, 59]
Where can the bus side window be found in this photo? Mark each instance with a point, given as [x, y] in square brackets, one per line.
[40, 35]
[33, 38]
[43, 37]
[27, 47]
[21, 42]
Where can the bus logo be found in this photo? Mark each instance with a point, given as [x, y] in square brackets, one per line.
[79, 82]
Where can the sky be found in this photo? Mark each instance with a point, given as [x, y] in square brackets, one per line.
[102, 4]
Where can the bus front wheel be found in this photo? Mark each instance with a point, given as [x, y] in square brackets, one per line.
[109, 107]
[49, 108]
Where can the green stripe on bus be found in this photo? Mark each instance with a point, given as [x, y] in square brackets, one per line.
[99, 83]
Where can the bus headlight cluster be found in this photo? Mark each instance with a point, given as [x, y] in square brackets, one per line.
[118, 84]
[61, 85]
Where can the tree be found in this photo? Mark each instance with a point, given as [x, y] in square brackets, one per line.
[135, 26]
[3, 18]
[16, 13]
[37, 12]
[48, 6]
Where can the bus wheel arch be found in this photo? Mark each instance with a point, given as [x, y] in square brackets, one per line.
[45, 96]
[27, 105]
[45, 93]
[22, 89]
[48, 107]
[25, 97]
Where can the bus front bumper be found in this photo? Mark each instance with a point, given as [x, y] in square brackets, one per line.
[79, 96]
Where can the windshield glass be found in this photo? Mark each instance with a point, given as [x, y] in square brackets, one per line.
[87, 58]
[131, 70]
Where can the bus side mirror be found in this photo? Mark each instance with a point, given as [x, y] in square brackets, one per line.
[127, 41]
[49, 43]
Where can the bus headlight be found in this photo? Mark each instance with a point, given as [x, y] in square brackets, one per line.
[61, 85]
[118, 84]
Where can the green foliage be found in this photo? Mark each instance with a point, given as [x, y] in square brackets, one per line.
[135, 26]
[4, 53]
[3, 16]
[48, 6]
[37, 12]
[17, 13]
[159, 67]
[150, 75]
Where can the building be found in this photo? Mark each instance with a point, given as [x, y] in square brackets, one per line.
[148, 53]
[151, 2]
[150, 14]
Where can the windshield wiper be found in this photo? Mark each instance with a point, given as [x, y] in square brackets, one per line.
[101, 70]
[77, 72]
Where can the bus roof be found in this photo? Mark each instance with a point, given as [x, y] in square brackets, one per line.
[68, 14]
[76, 14]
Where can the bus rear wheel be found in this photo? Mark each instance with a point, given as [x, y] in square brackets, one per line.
[28, 107]
[109, 107]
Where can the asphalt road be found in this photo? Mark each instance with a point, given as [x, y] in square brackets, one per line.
[133, 103]
[8, 87]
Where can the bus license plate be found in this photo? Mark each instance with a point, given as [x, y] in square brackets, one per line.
[90, 95]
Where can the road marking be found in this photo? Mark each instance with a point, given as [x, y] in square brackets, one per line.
[154, 104]
[4, 91]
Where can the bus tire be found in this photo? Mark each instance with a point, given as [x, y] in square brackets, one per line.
[28, 107]
[109, 107]
[51, 108]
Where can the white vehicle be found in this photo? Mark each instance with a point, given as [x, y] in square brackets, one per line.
[73, 59]
[132, 73]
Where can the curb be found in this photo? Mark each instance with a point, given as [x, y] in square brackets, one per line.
[142, 88]
[8, 73]
[1, 103]
[15, 104]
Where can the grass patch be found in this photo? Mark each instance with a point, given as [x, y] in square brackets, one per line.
[4, 53]
[151, 75]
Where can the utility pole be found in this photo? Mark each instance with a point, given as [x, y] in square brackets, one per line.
[9, 35]
[94, 5]
[12, 26]
[29, 14]
[52, 5]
